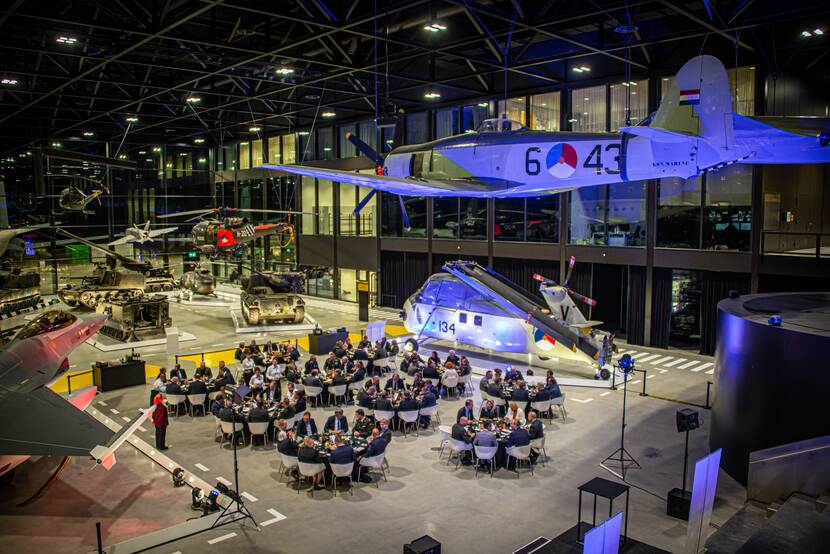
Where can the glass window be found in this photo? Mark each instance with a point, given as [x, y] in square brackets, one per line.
[544, 111]
[325, 144]
[543, 218]
[588, 109]
[368, 133]
[686, 287]
[416, 128]
[510, 219]
[665, 85]
[742, 87]
[274, 151]
[347, 149]
[228, 159]
[446, 122]
[678, 213]
[320, 282]
[348, 222]
[325, 209]
[289, 149]
[348, 284]
[473, 221]
[638, 91]
[309, 205]
[613, 216]
[366, 223]
[513, 108]
[445, 217]
[472, 116]
[256, 153]
[392, 219]
[387, 139]
[796, 209]
[307, 146]
[244, 155]
[727, 213]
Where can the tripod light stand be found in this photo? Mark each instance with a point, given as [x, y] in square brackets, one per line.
[621, 456]
[228, 514]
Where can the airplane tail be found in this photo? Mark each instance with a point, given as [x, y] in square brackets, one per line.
[699, 103]
[147, 226]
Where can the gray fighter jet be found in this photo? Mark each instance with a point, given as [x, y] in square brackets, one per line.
[34, 420]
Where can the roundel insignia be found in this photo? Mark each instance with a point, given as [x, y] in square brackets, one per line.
[561, 160]
[544, 342]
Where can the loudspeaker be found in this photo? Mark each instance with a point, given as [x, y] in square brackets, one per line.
[423, 545]
[678, 504]
[687, 420]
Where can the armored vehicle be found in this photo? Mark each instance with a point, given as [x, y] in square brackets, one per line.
[273, 296]
[157, 279]
[102, 284]
[18, 290]
[133, 318]
[197, 281]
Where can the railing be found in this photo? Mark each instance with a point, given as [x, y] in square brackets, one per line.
[633, 371]
[72, 376]
[777, 472]
[804, 245]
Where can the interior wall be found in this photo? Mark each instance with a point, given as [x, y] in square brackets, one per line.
[401, 274]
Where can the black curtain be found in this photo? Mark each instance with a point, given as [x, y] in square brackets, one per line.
[607, 291]
[716, 287]
[440, 259]
[521, 272]
[661, 307]
[636, 305]
[786, 283]
[401, 274]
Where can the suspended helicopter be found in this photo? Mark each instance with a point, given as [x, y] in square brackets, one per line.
[478, 307]
[694, 131]
[74, 199]
[221, 231]
[141, 236]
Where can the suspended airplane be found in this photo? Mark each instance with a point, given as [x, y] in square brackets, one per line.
[74, 199]
[136, 234]
[227, 233]
[693, 131]
[478, 307]
[34, 420]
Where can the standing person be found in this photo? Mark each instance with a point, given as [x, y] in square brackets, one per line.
[160, 421]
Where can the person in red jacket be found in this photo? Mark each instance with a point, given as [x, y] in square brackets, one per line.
[160, 421]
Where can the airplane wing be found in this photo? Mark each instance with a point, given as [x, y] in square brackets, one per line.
[405, 186]
[158, 232]
[41, 422]
[6, 235]
[123, 240]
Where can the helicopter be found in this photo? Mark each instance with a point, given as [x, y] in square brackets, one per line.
[74, 199]
[221, 231]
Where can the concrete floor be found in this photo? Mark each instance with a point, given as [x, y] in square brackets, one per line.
[424, 495]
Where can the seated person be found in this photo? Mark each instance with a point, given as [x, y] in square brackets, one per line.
[306, 427]
[383, 403]
[512, 374]
[553, 387]
[542, 394]
[286, 440]
[384, 430]
[359, 373]
[450, 373]
[514, 413]
[427, 400]
[488, 411]
[494, 388]
[518, 435]
[258, 414]
[520, 392]
[364, 342]
[337, 379]
[431, 372]
[272, 393]
[360, 354]
[291, 373]
[459, 433]
[253, 348]
[273, 372]
[339, 350]
[311, 364]
[485, 381]
[346, 364]
[247, 368]
[453, 358]
[217, 405]
[203, 370]
[299, 402]
[486, 437]
[362, 426]
[332, 363]
[464, 367]
[227, 414]
[436, 359]
[286, 411]
[198, 386]
[365, 398]
[377, 446]
[341, 453]
[239, 354]
[225, 374]
[292, 353]
[309, 455]
[535, 428]
[257, 379]
[313, 380]
[179, 372]
[336, 423]
[173, 386]
[392, 348]
[465, 411]
[395, 383]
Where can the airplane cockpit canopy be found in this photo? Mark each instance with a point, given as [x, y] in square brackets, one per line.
[448, 292]
[500, 125]
[46, 323]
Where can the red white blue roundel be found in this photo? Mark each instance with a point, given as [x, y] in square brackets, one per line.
[544, 342]
[561, 160]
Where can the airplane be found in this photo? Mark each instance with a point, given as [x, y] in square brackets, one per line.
[227, 233]
[694, 131]
[141, 236]
[6, 235]
[37, 421]
[479, 307]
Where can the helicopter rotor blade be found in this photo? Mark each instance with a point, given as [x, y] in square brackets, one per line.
[571, 263]
[581, 298]
[544, 280]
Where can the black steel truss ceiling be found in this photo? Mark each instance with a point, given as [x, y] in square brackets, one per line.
[217, 68]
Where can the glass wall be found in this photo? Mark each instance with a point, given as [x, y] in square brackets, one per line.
[446, 122]
[289, 149]
[678, 212]
[256, 153]
[472, 116]
[742, 87]
[320, 282]
[348, 223]
[392, 219]
[274, 150]
[589, 109]
[346, 148]
[309, 205]
[308, 148]
[244, 155]
[366, 223]
[545, 111]
[513, 108]
[445, 217]
[347, 279]
[533, 219]
[637, 91]
[473, 218]
[325, 207]
[368, 133]
[612, 216]
[325, 143]
[510, 219]
[686, 287]
[417, 130]
[727, 212]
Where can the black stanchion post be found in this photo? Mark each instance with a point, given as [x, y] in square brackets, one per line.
[708, 389]
[69, 386]
[645, 378]
[98, 534]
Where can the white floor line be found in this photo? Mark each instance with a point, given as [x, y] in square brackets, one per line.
[664, 370]
[711, 371]
[652, 357]
[663, 360]
[277, 517]
[639, 355]
[635, 382]
[125, 418]
[223, 481]
[651, 377]
[249, 496]
[102, 403]
[113, 410]
[702, 367]
[140, 428]
[203, 468]
[222, 538]
[677, 361]
[582, 401]
[689, 364]
[606, 393]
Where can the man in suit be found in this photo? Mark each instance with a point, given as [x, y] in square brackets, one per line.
[362, 426]
[179, 372]
[198, 386]
[226, 413]
[535, 430]
[225, 374]
[377, 446]
[311, 364]
[384, 430]
[383, 403]
[309, 455]
[203, 370]
[395, 383]
[359, 373]
[337, 379]
[336, 423]
[428, 400]
[459, 433]
[360, 354]
[286, 411]
[518, 436]
[431, 372]
[173, 386]
[306, 427]
[520, 393]
[364, 399]
[300, 403]
[258, 414]
[286, 443]
[465, 411]
[341, 453]
[332, 363]
[486, 437]
[512, 374]
[313, 380]
[485, 381]
[217, 405]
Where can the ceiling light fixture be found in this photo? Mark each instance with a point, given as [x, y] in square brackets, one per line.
[202, 160]
[66, 40]
[132, 119]
[582, 69]
[285, 71]
[328, 114]
[198, 140]
[818, 32]
[483, 105]
[56, 144]
[9, 81]
[254, 129]
[89, 134]
[156, 148]
[432, 95]
[435, 27]
[193, 100]
[142, 152]
[303, 133]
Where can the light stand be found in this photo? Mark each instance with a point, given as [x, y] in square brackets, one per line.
[228, 514]
[622, 456]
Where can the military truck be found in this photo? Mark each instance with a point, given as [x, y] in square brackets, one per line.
[101, 285]
[18, 290]
[270, 296]
[133, 318]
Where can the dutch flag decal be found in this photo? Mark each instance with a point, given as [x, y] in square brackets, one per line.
[690, 97]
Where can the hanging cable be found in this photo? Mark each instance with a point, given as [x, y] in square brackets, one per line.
[123, 138]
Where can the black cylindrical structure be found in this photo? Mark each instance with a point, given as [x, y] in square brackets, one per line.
[771, 382]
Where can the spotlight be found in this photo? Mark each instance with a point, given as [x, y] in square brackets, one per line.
[581, 69]
[193, 100]
[775, 321]
[9, 81]
[483, 104]
[303, 133]
[156, 148]
[198, 140]
[818, 32]
[178, 477]
[626, 363]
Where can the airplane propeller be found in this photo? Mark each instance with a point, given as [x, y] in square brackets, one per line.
[574, 295]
